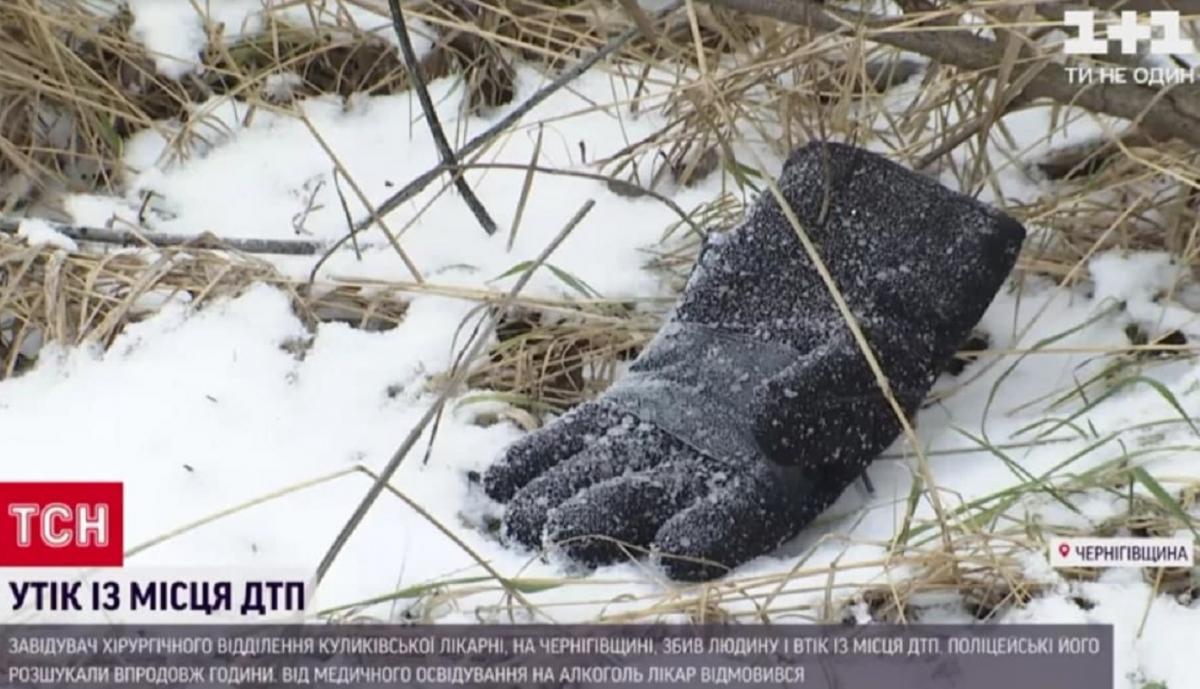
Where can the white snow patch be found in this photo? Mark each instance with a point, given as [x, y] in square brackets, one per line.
[41, 233]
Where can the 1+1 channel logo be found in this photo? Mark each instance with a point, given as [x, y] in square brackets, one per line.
[1164, 31]
[61, 525]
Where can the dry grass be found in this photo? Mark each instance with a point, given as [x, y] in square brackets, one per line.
[74, 85]
[88, 298]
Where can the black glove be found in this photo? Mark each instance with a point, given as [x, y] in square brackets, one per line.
[753, 408]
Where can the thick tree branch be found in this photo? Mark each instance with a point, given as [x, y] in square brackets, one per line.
[1162, 113]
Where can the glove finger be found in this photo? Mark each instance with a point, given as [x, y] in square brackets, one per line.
[547, 447]
[628, 447]
[598, 525]
[752, 514]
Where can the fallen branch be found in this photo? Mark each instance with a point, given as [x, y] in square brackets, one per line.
[1170, 112]
[79, 233]
[435, 124]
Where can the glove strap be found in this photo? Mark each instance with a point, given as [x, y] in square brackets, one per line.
[701, 385]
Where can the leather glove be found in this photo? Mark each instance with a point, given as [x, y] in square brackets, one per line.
[753, 408]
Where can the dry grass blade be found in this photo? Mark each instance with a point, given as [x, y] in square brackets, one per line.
[552, 364]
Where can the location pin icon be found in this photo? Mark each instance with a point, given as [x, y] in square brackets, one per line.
[1063, 549]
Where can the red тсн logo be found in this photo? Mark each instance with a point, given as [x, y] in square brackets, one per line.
[61, 525]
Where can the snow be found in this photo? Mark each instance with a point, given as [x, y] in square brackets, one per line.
[197, 411]
[40, 233]
[1136, 278]
[200, 412]
[269, 173]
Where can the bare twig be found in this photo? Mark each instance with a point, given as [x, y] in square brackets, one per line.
[346, 211]
[288, 247]
[431, 118]
[638, 15]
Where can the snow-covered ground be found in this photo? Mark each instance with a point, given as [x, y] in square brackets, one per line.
[199, 411]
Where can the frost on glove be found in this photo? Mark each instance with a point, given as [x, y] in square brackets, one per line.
[753, 408]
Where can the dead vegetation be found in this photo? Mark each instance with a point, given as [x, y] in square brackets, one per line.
[75, 84]
[50, 295]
